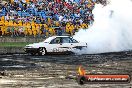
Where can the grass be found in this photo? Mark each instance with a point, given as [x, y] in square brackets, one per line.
[13, 44]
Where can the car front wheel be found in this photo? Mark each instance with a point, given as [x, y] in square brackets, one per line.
[42, 51]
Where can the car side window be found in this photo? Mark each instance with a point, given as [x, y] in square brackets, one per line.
[74, 41]
[66, 40]
[56, 41]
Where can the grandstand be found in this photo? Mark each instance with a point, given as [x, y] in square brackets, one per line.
[43, 18]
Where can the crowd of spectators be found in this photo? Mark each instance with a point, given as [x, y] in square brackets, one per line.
[45, 17]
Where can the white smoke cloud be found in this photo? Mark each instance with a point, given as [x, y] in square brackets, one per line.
[112, 29]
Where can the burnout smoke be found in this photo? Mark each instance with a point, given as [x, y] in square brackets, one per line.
[111, 30]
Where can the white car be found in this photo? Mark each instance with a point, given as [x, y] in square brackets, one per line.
[54, 44]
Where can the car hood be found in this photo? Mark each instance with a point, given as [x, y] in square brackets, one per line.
[35, 45]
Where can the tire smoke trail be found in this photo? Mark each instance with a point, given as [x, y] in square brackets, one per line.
[111, 30]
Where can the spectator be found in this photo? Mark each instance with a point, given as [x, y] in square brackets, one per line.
[51, 12]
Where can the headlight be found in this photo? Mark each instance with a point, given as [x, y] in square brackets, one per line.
[28, 47]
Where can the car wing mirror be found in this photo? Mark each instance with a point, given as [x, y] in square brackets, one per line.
[60, 43]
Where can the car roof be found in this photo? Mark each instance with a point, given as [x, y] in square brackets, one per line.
[52, 37]
[61, 36]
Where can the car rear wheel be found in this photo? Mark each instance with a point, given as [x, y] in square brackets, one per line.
[42, 51]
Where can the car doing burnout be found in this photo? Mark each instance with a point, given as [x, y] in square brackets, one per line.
[55, 44]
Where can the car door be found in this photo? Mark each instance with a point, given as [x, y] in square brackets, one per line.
[55, 45]
[66, 44]
[76, 44]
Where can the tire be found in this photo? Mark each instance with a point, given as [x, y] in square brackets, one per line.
[42, 51]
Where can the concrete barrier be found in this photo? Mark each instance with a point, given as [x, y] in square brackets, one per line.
[7, 50]
[20, 39]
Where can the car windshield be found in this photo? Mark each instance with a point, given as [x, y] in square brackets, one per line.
[48, 39]
[56, 41]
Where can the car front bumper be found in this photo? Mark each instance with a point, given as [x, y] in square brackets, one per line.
[31, 50]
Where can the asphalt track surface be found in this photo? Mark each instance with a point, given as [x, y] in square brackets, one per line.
[60, 71]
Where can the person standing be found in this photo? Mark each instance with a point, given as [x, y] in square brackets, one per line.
[43, 31]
